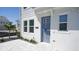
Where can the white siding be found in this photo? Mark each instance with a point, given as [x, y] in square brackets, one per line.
[28, 15]
[64, 40]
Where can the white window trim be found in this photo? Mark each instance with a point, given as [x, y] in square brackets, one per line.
[30, 26]
[67, 31]
[25, 26]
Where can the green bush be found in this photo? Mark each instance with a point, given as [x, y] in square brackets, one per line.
[27, 40]
[33, 41]
[30, 41]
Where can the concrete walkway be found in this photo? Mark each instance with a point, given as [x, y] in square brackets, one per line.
[20, 45]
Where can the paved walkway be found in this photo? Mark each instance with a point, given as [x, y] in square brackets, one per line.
[20, 45]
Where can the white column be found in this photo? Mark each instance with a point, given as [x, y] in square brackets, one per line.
[52, 40]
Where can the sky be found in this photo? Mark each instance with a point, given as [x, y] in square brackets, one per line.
[11, 13]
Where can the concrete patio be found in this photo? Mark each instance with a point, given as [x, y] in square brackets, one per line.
[20, 45]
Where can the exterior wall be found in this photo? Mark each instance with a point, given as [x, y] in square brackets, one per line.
[60, 40]
[66, 40]
[41, 12]
[28, 14]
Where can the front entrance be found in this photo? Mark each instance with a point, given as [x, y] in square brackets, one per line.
[45, 29]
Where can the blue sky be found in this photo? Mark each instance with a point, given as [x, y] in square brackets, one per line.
[12, 13]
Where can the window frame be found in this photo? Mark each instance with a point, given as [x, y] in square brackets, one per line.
[63, 22]
[25, 26]
[31, 26]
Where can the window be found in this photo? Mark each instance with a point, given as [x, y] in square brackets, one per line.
[63, 23]
[31, 26]
[63, 26]
[25, 26]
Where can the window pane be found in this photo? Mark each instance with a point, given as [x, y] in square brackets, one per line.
[31, 29]
[25, 23]
[63, 18]
[63, 26]
[25, 29]
[31, 23]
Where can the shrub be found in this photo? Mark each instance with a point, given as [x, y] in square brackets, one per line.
[33, 41]
[30, 41]
[21, 38]
[27, 40]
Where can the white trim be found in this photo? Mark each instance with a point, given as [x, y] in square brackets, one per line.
[30, 26]
[44, 11]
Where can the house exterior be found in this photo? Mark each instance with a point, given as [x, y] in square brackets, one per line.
[58, 26]
[3, 21]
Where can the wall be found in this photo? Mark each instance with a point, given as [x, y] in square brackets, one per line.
[60, 40]
[65, 40]
[41, 12]
[28, 14]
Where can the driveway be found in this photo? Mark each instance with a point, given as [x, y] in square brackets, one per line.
[20, 45]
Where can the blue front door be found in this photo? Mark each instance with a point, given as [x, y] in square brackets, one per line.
[45, 29]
